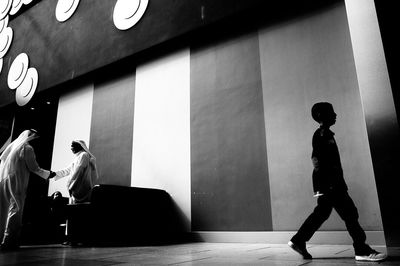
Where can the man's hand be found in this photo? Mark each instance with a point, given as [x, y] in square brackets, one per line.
[51, 175]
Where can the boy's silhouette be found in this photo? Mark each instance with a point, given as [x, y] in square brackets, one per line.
[331, 190]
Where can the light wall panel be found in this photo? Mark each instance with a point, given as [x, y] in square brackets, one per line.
[161, 132]
[73, 122]
[379, 108]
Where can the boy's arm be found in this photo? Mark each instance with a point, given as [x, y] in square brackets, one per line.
[318, 156]
[316, 162]
[316, 178]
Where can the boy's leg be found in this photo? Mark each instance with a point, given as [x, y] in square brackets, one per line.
[310, 226]
[345, 207]
[314, 221]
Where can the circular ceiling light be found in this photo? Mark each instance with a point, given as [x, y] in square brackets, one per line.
[26, 2]
[3, 23]
[27, 88]
[5, 40]
[65, 9]
[5, 6]
[16, 5]
[128, 12]
[18, 70]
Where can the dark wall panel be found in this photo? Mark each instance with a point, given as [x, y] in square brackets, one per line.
[111, 132]
[383, 131]
[229, 182]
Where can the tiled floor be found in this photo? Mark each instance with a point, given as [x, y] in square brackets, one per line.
[184, 254]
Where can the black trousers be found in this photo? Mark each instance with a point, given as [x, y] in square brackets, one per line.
[79, 222]
[344, 206]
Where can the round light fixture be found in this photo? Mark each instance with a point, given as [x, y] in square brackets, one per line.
[18, 70]
[65, 9]
[27, 88]
[3, 23]
[16, 5]
[5, 40]
[5, 6]
[128, 12]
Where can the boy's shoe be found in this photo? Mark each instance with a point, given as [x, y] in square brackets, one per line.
[301, 249]
[373, 256]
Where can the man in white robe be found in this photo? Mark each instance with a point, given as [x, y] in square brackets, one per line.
[17, 161]
[82, 173]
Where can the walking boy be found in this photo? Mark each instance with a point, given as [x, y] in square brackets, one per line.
[331, 190]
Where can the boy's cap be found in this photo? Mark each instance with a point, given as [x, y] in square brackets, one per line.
[319, 109]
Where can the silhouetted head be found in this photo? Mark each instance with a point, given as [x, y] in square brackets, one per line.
[76, 147]
[323, 113]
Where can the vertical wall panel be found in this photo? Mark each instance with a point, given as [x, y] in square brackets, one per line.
[111, 131]
[73, 122]
[305, 61]
[379, 109]
[229, 162]
[161, 143]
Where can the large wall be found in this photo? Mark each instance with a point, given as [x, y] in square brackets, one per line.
[224, 125]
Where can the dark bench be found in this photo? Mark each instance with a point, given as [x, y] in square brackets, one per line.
[119, 215]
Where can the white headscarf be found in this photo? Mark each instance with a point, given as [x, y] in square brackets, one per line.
[9, 155]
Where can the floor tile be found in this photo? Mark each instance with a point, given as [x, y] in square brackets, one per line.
[186, 254]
